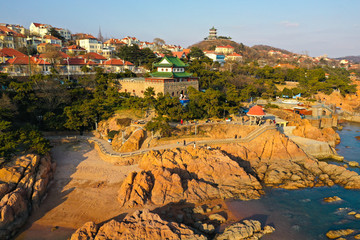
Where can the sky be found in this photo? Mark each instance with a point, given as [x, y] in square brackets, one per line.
[313, 27]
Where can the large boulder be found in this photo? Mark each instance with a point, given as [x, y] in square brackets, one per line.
[248, 229]
[139, 225]
[134, 142]
[87, 232]
[25, 180]
[187, 174]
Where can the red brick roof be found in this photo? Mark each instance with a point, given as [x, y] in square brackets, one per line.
[40, 24]
[10, 52]
[234, 55]
[5, 30]
[25, 61]
[117, 62]
[178, 54]
[186, 51]
[51, 37]
[114, 41]
[93, 55]
[78, 61]
[83, 36]
[227, 46]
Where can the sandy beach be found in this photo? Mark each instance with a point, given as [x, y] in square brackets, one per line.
[84, 189]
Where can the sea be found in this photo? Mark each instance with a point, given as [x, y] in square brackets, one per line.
[302, 214]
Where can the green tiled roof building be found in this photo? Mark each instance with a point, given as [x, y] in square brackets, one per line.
[170, 78]
[171, 67]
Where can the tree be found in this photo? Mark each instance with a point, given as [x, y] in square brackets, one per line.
[53, 32]
[158, 43]
[196, 53]
[159, 124]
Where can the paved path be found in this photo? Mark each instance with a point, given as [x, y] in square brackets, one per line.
[106, 148]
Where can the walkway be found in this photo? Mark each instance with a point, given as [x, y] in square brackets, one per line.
[106, 148]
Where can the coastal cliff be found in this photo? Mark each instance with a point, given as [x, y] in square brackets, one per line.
[278, 162]
[235, 170]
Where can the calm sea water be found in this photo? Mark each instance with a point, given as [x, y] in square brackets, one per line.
[301, 214]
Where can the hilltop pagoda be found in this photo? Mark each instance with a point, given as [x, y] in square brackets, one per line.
[212, 34]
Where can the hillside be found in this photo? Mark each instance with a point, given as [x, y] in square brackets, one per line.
[354, 59]
[240, 48]
[268, 48]
[254, 53]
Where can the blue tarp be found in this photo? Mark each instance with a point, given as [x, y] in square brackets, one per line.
[184, 102]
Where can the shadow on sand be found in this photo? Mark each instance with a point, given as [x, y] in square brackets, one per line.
[67, 157]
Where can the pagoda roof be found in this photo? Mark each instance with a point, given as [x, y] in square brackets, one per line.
[170, 61]
[256, 111]
[171, 74]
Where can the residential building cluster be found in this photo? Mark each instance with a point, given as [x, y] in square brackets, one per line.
[41, 47]
[36, 49]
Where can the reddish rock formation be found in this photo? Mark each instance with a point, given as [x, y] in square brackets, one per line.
[279, 162]
[139, 225]
[306, 130]
[134, 142]
[25, 180]
[248, 229]
[115, 123]
[187, 174]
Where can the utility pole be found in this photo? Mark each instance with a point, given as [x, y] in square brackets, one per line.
[68, 68]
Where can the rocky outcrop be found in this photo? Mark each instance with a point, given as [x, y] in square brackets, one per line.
[134, 142]
[86, 232]
[332, 234]
[187, 174]
[23, 183]
[115, 123]
[248, 229]
[279, 162]
[139, 225]
[332, 199]
[306, 130]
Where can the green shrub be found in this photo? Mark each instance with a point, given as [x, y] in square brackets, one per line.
[112, 133]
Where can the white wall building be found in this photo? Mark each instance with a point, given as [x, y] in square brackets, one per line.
[39, 29]
[91, 45]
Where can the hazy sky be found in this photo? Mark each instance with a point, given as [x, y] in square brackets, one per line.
[315, 27]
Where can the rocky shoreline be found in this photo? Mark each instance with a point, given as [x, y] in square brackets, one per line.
[194, 175]
[148, 225]
[226, 171]
[23, 184]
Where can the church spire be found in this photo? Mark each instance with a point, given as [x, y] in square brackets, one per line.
[100, 36]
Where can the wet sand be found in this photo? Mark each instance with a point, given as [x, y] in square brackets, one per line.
[84, 189]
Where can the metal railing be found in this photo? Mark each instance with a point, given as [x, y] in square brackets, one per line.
[100, 143]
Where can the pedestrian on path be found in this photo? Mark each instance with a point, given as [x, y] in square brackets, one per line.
[194, 144]
[184, 142]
